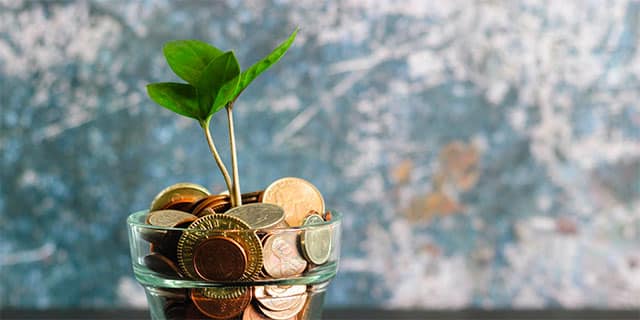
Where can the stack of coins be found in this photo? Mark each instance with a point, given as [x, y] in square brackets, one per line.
[203, 238]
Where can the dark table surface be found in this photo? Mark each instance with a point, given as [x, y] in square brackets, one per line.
[355, 314]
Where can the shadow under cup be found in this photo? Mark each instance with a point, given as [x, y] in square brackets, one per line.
[291, 287]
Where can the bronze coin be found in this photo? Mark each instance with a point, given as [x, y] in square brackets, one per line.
[152, 235]
[182, 204]
[252, 197]
[219, 259]
[296, 306]
[215, 202]
[157, 262]
[196, 203]
[250, 313]
[220, 308]
[202, 204]
[280, 303]
[168, 245]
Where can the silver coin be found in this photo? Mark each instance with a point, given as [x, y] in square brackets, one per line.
[259, 215]
[316, 241]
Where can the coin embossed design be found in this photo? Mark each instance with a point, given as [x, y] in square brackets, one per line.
[281, 256]
[225, 226]
[259, 215]
[178, 191]
[287, 299]
[298, 302]
[284, 290]
[296, 196]
[220, 308]
[219, 259]
[169, 218]
[316, 242]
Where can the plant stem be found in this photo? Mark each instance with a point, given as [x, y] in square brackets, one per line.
[234, 160]
[225, 174]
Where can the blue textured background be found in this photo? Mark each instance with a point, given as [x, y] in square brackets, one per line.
[485, 153]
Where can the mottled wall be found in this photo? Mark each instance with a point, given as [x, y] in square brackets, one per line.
[484, 153]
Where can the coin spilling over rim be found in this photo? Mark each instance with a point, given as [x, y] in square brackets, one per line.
[183, 190]
[296, 196]
[219, 225]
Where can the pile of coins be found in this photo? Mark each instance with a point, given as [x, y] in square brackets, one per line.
[206, 239]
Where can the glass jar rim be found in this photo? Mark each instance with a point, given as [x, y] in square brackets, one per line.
[137, 219]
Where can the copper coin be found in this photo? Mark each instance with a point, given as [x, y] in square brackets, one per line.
[196, 203]
[250, 313]
[279, 303]
[252, 197]
[282, 290]
[289, 313]
[307, 310]
[296, 196]
[169, 218]
[281, 256]
[183, 204]
[219, 259]
[220, 308]
[177, 191]
[210, 202]
[157, 262]
[152, 235]
[168, 244]
[219, 225]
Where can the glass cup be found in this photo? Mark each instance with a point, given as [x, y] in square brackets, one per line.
[277, 273]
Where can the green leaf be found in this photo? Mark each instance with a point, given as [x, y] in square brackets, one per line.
[255, 70]
[217, 83]
[187, 58]
[178, 97]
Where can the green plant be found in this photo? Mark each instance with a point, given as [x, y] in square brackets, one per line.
[214, 81]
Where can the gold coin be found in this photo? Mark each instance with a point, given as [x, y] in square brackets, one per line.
[223, 292]
[225, 226]
[169, 218]
[179, 191]
[296, 196]
[258, 215]
[316, 241]
[281, 256]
